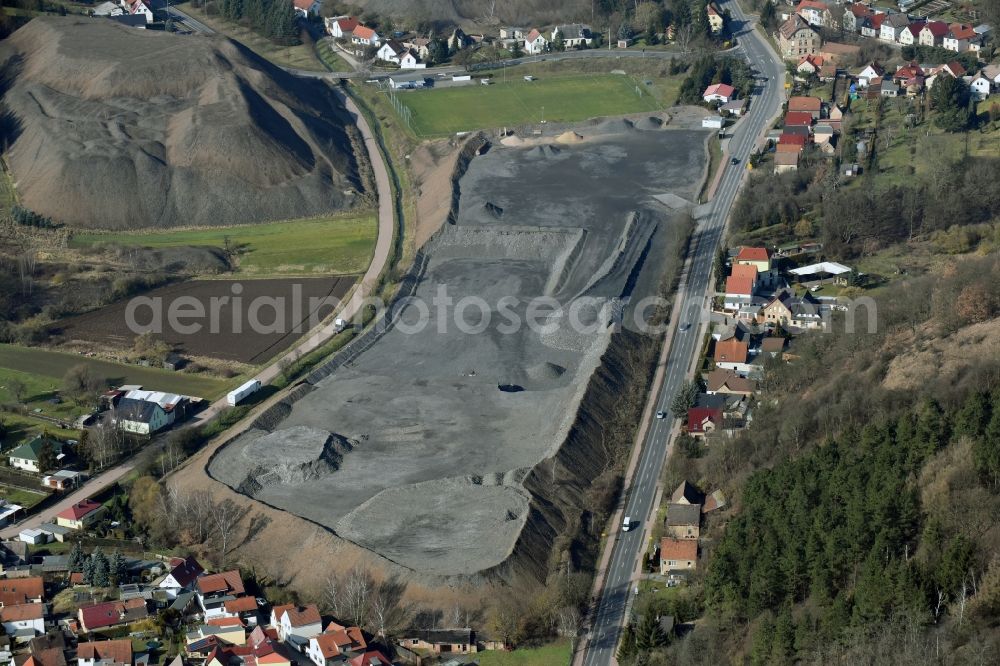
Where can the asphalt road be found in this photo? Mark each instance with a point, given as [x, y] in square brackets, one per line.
[633, 545]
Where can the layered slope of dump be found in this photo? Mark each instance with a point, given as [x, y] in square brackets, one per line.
[118, 128]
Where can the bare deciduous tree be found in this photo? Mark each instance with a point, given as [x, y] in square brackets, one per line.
[224, 517]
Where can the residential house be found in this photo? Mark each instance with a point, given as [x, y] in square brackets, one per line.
[26, 455]
[365, 36]
[513, 33]
[735, 107]
[108, 9]
[420, 46]
[182, 576]
[933, 33]
[715, 20]
[719, 92]
[142, 8]
[243, 608]
[458, 40]
[341, 27]
[979, 86]
[740, 286]
[728, 382]
[953, 69]
[683, 521]
[105, 653]
[870, 72]
[788, 309]
[889, 88]
[23, 619]
[141, 417]
[307, 8]
[836, 118]
[336, 644]
[573, 35]
[992, 72]
[111, 614]
[854, 15]
[907, 72]
[789, 142]
[773, 346]
[20, 591]
[440, 641]
[369, 658]
[707, 415]
[892, 27]
[678, 555]
[686, 493]
[816, 13]
[797, 38]
[81, 515]
[809, 64]
[959, 37]
[872, 26]
[227, 631]
[910, 35]
[798, 119]
[535, 43]
[391, 51]
[214, 590]
[784, 162]
[823, 134]
[296, 623]
[810, 105]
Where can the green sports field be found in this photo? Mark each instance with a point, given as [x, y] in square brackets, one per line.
[551, 98]
[337, 245]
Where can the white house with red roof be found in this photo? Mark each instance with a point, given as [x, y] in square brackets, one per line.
[933, 33]
[740, 286]
[959, 37]
[341, 27]
[365, 36]
[23, 618]
[140, 7]
[910, 35]
[296, 623]
[214, 590]
[80, 516]
[307, 8]
[719, 92]
[535, 42]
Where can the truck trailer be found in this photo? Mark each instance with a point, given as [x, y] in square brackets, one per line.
[240, 394]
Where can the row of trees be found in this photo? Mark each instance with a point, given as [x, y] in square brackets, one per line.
[274, 19]
[98, 569]
[708, 70]
[30, 218]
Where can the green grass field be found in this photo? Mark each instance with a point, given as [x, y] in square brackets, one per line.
[553, 654]
[338, 245]
[551, 98]
[44, 363]
[25, 498]
[329, 57]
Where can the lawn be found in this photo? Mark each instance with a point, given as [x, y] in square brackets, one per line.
[516, 102]
[54, 364]
[302, 56]
[332, 245]
[25, 498]
[552, 654]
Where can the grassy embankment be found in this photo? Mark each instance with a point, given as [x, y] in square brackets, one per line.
[302, 56]
[340, 244]
[330, 58]
[45, 365]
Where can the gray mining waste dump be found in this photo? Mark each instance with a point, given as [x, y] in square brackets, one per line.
[416, 448]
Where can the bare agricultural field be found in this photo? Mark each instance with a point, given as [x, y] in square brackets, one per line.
[248, 321]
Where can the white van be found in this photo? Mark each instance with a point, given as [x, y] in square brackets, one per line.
[626, 524]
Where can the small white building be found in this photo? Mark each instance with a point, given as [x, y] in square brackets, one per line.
[34, 537]
[535, 43]
[296, 623]
[23, 618]
[713, 122]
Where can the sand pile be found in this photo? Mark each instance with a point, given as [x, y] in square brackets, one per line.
[122, 128]
[569, 137]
